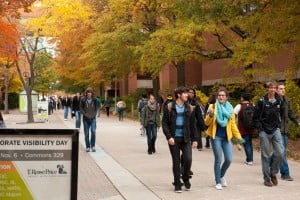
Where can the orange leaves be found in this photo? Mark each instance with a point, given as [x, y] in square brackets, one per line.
[11, 7]
[8, 38]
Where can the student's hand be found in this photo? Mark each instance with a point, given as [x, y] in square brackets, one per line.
[242, 141]
[171, 141]
[194, 145]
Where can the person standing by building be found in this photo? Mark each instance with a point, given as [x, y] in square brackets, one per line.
[244, 111]
[107, 105]
[76, 109]
[151, 122]
[288, 114]
[121, 106]
[179, 127]
[220, 120]
[267, 117]
[88, 108]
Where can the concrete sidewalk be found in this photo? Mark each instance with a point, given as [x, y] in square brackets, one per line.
[126, 171]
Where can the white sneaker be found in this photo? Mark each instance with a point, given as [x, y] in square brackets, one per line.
[249, 163]
[224, 182]
[219, 186]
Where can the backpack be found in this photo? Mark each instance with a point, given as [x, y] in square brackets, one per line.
[142, 104]
[169, 105]
[247, 112]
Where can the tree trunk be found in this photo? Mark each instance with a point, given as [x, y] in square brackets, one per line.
[156, 86]
[180, 73]
[29, 107]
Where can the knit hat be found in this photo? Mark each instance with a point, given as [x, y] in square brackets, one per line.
[169, 97]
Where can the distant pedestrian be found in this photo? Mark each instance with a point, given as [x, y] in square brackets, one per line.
[288, 114]
[99, 102]
[199, 112]
[211, 100]
[76, 109]
[220, 120]
[151, 122]
[2, 123]
[121, 106]
[179, 127]
[66, 103]
[88, 108]
[141, 104]
[268, 113]
[168, 100]
[107, 105]
[244, 111]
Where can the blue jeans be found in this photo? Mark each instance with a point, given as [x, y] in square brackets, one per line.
[248, 147]
[271, 162]
[284, 169]
[219, 145]
[89, 124]
[78, 119]
[151, 131]
[66, 112]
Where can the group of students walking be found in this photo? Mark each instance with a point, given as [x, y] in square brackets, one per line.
[184, 119]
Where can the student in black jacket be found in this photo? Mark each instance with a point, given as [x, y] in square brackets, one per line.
[268, 113]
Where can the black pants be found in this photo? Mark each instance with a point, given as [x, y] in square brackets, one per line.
[107, 111]
[186, 150]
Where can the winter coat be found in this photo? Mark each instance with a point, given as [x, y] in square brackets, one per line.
[268, 116]
[231, 128]
[189, 127]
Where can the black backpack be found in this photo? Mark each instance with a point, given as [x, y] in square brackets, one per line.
[247, 112]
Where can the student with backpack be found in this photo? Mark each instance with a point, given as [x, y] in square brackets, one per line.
[268, 113]
[244, 112]
[141, 104]
[178, 124]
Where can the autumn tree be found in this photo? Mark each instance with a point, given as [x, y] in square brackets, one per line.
[9, 10]
[67, 22]
[45, 75]
[241, 32]
[121, 28]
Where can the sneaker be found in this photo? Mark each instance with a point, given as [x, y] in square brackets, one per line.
[287, 178]
[93, 149]
[87, 149]
[178, 189]
[187, 185]
[249, 163]
[274, 180]
[224, 182]
[219, 186]
[268, 183]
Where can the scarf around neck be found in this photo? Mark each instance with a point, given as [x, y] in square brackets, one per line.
[224, 112]
[152, 107]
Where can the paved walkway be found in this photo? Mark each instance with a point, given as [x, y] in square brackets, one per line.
[122, 169]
